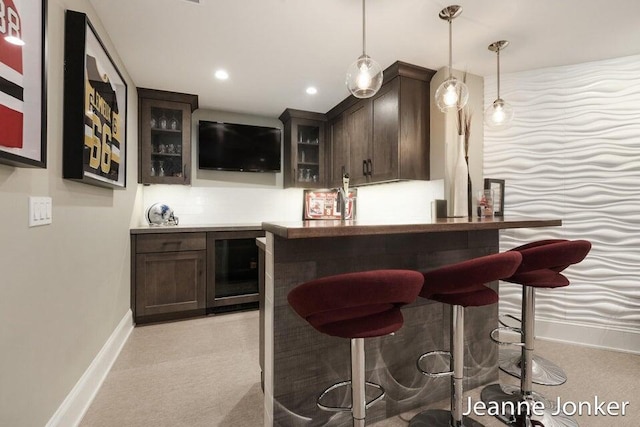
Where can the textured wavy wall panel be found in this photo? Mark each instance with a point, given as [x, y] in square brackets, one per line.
[574, 152]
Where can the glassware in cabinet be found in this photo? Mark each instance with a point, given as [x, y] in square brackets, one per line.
[304, 149]
[165, 137]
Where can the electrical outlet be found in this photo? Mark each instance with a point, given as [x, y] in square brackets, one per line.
[40, 211]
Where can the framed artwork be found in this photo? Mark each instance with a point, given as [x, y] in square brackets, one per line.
[497, 185]
[95, 108]
[324, 204]
[23, 106]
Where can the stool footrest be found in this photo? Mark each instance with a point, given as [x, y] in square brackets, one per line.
[493, 333]
[347, 408]
[434, 374]
[501, 318]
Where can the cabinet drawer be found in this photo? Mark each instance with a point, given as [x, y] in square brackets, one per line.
[171, 242]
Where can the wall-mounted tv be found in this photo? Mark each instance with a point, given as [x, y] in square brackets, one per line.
[236, 147]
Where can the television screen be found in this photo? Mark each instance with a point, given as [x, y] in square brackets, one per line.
[235, 147]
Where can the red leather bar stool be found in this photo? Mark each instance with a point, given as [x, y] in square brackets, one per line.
[356, 306]
[460, 285]
[542, 264]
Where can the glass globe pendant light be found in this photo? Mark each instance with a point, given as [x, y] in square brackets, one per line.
[452, 94]
[499, 114]
[364, 76]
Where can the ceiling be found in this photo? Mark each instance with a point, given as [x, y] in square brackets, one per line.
[274, 49]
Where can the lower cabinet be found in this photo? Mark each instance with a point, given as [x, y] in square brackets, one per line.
[179, 275]
[170, 282]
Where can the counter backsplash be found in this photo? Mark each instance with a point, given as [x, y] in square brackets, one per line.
[406, 200]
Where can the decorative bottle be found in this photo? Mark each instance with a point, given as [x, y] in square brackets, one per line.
[460, 182]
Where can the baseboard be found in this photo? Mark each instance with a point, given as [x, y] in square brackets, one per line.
[75, 405]
[604, 337]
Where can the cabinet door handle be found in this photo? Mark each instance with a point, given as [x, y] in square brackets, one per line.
[295, 178]
[343, 170]
[184, 167]
[370, 167]
[364, 167]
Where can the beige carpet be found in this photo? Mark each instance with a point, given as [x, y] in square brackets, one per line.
[205, 372]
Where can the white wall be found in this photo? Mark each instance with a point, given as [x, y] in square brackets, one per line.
[64, 287]
[573, 152]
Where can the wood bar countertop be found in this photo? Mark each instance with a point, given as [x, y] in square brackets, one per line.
[337, 228]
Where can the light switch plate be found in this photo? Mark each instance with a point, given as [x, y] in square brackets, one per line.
[40, 211]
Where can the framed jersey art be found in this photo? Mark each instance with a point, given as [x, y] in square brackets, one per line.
[95, 108]
[22, 83]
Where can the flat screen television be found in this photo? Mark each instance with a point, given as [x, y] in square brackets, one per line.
[236, 147]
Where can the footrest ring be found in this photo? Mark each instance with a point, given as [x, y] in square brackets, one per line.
[434, 374]
[347, 408]
[501, 320]
[506, 328]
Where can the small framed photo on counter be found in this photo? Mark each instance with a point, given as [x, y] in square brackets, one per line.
[325, 204]
[497, 185]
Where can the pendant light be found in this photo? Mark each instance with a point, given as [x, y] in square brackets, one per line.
[499, 114]
[364, 77]
[452, 94]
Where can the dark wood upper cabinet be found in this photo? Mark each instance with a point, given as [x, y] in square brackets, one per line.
[358, 121]
[304, 162]
[382, 160]
[165, 136]
[338, 160]
[386, 137]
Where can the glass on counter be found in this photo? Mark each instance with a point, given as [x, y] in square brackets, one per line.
[485, 203]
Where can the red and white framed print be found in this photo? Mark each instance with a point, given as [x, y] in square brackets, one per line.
[23, 114]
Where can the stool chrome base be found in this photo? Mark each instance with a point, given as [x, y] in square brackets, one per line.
[544, 371]
[440, 418]
[503, 395]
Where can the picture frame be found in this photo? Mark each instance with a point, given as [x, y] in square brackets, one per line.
[497, 185]
[324, 204]
[23, 83]
[95, 108]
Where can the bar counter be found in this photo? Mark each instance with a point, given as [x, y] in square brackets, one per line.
[300, 362]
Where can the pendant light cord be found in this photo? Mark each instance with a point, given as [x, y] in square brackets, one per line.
[498, 53]
[450, 46]
[364, 26]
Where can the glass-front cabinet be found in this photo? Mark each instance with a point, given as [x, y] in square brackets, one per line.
[304, 149]
[165, 136]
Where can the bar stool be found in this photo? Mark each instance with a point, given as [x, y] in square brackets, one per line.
[542, 264]
[356, 306]
[460, 285]
[543, 371]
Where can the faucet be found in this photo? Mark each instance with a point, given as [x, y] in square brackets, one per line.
[343, 193]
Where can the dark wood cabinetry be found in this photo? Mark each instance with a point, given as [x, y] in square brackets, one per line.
[165, 136]
[338, 158]
[386, 137]
[170, 275]
[184, 274]
[304, 149]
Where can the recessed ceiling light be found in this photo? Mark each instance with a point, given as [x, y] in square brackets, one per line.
[312, 90]
[14, 40]
[221, 75]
